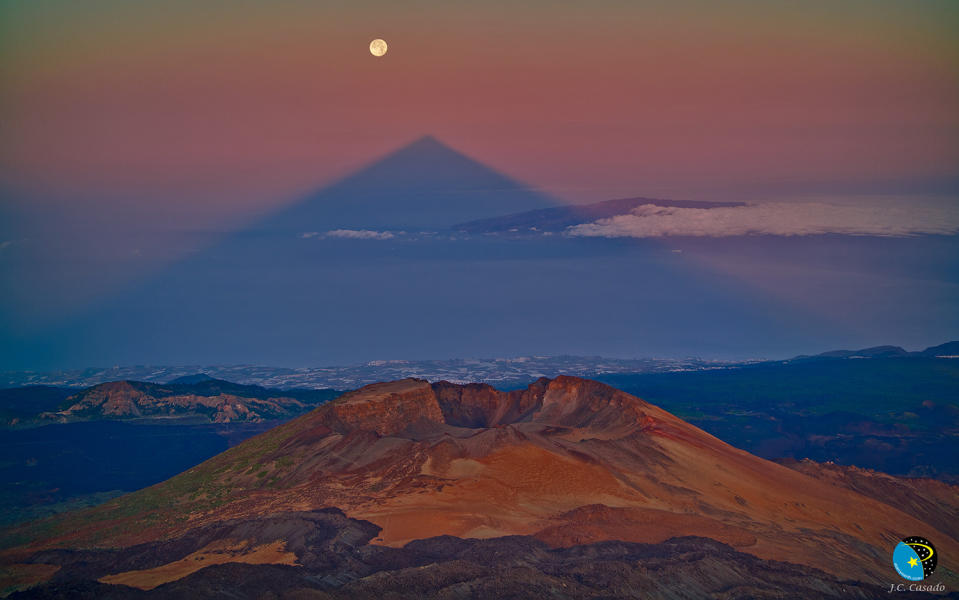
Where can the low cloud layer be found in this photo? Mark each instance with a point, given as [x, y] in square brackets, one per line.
[888, 219]
[354, 234]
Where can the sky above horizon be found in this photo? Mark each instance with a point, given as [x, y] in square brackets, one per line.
[137, 135]
[243, 105]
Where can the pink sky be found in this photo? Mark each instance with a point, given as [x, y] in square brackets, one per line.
[241, 105]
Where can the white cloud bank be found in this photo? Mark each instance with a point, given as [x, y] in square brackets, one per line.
[886, 218]
[360, 234]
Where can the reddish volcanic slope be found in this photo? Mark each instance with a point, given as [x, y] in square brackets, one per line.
[569, 461]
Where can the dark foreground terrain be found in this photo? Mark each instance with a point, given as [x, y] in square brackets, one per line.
[330, 557]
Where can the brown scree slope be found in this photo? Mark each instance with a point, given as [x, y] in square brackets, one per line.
[569, 461]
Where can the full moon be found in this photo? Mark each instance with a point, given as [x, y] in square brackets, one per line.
[377, 47]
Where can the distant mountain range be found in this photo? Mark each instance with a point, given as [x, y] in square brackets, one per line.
[947, 350]
[557, 219]
[411, 489]
[199, 398]
[501, 372]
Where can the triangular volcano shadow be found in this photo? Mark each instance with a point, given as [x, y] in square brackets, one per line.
[423, 185]
[274, 293]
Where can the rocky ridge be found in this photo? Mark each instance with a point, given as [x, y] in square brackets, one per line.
[566, 462]
[214, 400]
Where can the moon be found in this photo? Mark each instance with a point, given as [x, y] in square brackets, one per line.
[378, 47]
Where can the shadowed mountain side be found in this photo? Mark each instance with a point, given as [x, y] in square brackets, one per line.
[930, 500]
[425, 185]
[567, 461]
[284, 291]
[386, 284]
[298, 302]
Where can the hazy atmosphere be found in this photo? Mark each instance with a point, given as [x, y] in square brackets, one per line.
[146, 145]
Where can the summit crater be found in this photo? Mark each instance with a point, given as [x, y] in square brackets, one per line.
[567, 461]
